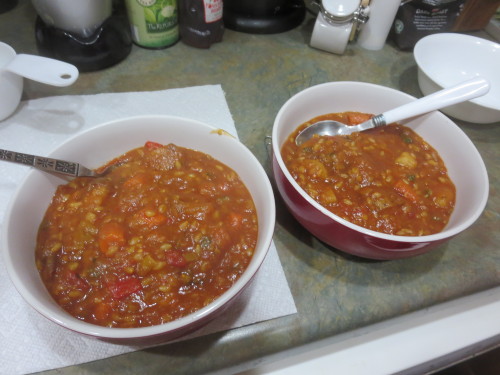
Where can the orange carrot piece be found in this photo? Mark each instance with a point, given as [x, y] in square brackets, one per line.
[406, 191]
[110, 234]
[355, 118]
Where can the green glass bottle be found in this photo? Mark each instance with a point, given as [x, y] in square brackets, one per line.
[154, 23]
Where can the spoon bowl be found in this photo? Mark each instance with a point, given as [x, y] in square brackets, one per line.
[464, 91]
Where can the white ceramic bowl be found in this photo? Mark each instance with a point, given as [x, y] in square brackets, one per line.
[446, 59]
[464, 163]
[95, 147]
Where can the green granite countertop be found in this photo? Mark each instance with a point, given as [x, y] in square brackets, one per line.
[334, 292]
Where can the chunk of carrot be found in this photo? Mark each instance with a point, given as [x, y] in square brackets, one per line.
[355, 118]
[406, 191]
[111, 235]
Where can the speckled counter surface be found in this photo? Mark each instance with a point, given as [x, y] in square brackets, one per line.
[334, 293]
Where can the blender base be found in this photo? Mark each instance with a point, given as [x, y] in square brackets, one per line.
[271, 22]
[107, 46]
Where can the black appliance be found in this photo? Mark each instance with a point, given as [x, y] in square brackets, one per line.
[263, 16]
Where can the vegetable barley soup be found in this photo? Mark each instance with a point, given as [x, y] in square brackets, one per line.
[167, 231]
[386, 179]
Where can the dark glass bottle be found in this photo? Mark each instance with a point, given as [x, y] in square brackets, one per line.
[200, 22]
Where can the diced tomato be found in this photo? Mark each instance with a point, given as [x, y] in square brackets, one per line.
[111, 234]
[152, 145]
[406, 191]
[175, 258]
[75, 281]
[124, 287]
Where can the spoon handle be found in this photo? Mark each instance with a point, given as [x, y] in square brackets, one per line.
[45, 164]
[462, 92]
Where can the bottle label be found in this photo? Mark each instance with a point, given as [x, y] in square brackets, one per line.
[154, 23]
[213, 10]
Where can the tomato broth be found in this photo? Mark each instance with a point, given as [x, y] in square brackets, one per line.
[386, 179]
[162, 235]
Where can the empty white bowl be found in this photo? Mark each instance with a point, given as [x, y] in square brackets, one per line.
[94, 148]
[445, 59]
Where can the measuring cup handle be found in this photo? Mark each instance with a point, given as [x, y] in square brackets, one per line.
[43, 69]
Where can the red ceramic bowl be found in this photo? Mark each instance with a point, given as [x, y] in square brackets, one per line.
[465, 167]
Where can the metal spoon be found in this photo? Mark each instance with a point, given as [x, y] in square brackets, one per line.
[462, 92]
[67, 168]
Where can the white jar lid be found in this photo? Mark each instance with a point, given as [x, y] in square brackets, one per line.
[340, 8]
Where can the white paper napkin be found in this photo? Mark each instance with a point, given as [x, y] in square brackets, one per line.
[28, 341]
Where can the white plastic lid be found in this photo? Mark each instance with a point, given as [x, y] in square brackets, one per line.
[340, 8]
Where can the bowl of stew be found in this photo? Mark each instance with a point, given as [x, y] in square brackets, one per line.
[158, 246]
[388, 193]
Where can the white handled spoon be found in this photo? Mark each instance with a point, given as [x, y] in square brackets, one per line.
[462, 92]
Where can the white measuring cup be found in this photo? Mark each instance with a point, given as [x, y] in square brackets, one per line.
[13, 67]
